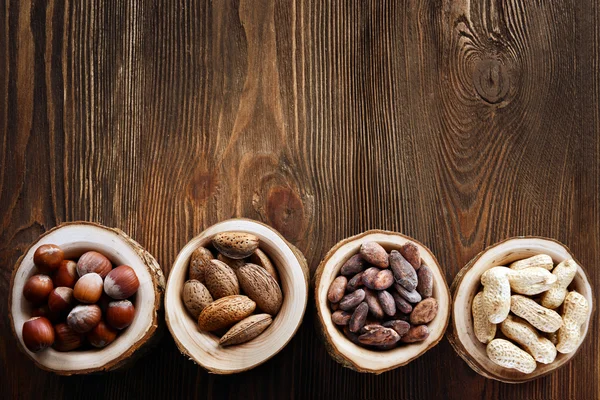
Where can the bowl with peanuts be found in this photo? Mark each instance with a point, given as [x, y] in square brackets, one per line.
[521, 309]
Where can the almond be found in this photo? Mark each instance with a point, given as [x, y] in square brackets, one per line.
[260, 258]
[235, 245]
[221, 280]
[199, 260]
[261, 287]
[196, 297]
[247, 329]
[225, 312]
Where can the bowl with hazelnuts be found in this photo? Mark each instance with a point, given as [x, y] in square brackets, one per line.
[85, 298]
[382, 301]
[236, 296]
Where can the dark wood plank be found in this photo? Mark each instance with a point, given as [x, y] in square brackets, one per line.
[458, 123]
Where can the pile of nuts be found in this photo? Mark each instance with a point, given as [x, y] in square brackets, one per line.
[222, 293]
[382, 299]
[72, 297]
[527, 301]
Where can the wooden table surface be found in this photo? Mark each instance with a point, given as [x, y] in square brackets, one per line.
[458, 123]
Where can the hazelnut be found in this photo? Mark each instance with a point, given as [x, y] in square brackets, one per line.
[83, 318]
[88, 288]
[66, 274]
[38, 334]
[102, 335]
[92, 261]
[121, 282]
[65, 338]
[61, 300]
[38, 288]
[120, 314]
[48, 257]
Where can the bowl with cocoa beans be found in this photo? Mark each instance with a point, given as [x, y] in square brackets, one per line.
[85, 298]
[236, 295]
[521, 309]
[382, 301]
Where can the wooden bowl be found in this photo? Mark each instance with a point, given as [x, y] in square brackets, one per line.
[203, 347]
[75, 238]
[341, 348]
[467, 284]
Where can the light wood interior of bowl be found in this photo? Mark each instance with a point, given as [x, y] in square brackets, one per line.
[473, 351]
[363, 359]
[75, 239]
[203, 347]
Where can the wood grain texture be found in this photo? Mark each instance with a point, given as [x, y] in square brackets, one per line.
[459, 123]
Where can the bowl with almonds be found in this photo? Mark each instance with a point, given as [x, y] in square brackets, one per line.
[521, 309]
[85, 298]
[382, 301]
[236, 295]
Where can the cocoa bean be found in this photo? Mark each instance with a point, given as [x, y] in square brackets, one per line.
[379, 336]
[354, 265]
[374, 306]
[368, 276]
[424, 312]
[341, 317]
[378, 279]
[357, 321]
[334, 306]
[386, 300]
[401, 304]
[353, 337]
[337, 289]
[374, 254]
[401, 327]
[425, 285]
[369, 325]
[410, 296]
[404, 273]
[354, 283]
[383, 280]
[415, 334]
[351, 300]
[410, 252]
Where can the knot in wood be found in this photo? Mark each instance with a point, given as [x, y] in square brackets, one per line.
[491, 80]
